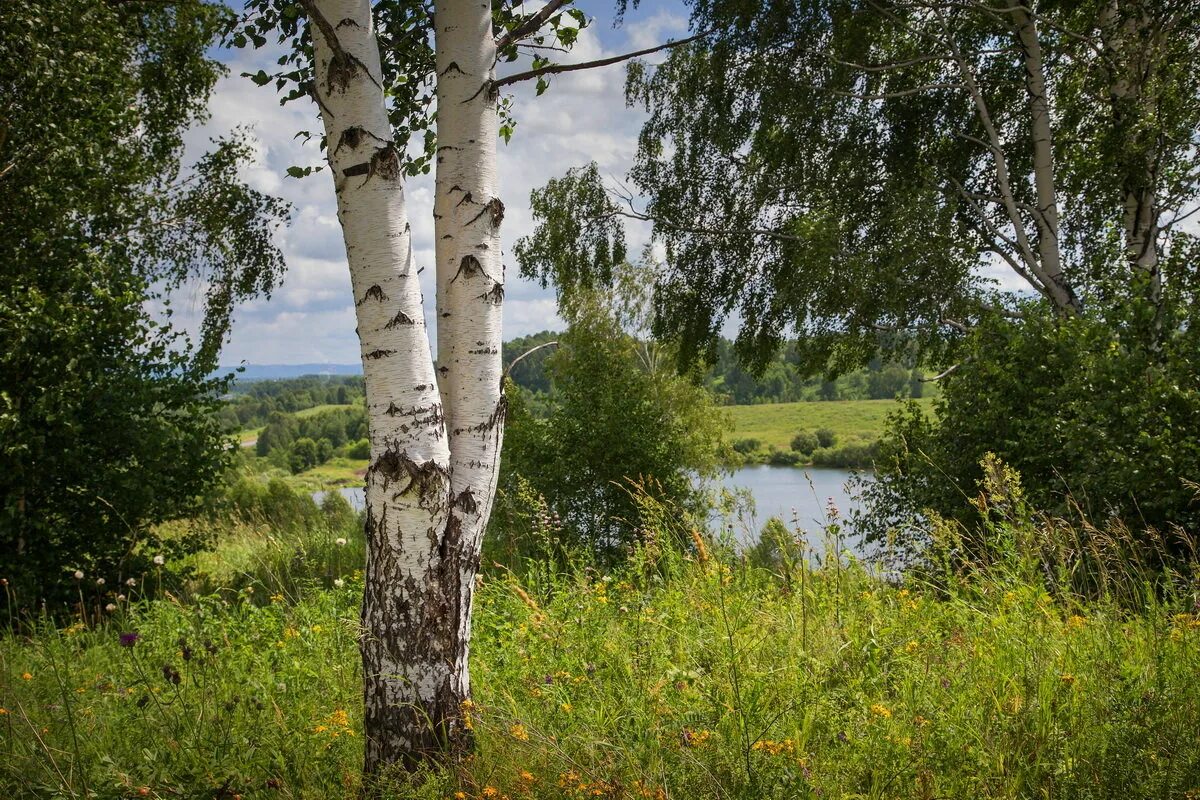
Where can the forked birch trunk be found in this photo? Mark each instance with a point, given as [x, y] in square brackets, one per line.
[470, 289]
[416, 603]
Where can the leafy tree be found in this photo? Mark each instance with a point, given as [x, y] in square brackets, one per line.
[1094, 425]
[834, 170]
[107, 416]
[615, 418]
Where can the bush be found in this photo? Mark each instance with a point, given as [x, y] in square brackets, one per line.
[783, 458]
[805, 442]
[826, 437]
[746, 446]
[851, 455]
[359, 450]
[1092, 420]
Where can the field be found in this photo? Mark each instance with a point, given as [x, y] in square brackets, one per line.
[672, 677]
[776, 424]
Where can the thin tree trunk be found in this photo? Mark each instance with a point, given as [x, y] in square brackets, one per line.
[1046, 218]
[1127, 45]
[470, 292]
[410, 616]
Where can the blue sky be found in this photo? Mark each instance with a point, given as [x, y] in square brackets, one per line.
[311, 317]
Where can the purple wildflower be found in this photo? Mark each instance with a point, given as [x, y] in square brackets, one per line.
[128, 639]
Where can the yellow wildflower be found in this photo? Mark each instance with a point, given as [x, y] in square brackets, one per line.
[527, 776]
[25, 676]
[1076, 621]
[315, 629]
[519, 733]
[566, 707]
[490, 791]
[880, 710]
[1067, 678]
[912, 647]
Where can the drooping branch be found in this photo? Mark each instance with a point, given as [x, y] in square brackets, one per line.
[554, 69]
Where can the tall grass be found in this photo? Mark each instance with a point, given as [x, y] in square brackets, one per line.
[685, 673]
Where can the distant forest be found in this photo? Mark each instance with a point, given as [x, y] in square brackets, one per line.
[780, 382]
[252, 402]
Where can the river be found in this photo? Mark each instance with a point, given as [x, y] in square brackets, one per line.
[798, 496]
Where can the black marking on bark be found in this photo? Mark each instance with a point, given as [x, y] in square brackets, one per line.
[498, 415]
[386, 162]
[495, 295]
[376, 354]
[349, 22]
[452, 65]
[373, 293]
[469, 266]
[400, 319]
[444, 370]
[466, 501]
[357, 169]
[466, 198]
[483, 351]
[497, 211]
[395, 465]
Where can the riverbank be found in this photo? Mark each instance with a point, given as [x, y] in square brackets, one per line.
[836, 433]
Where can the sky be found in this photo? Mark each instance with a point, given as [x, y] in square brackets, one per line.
[310, 317]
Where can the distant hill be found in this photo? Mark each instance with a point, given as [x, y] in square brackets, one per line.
[266, 372]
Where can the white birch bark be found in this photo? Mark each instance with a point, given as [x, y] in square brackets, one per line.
[470, 283]
[1041, 130]
[1124, 38]
[411, 607]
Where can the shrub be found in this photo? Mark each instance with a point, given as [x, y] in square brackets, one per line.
[360, 449]
[805, 442]
[784, 458]
[1092, 420]
[746, 446]
[826, 437]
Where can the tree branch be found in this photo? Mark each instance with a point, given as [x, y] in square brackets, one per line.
[528, 352]
[554, 69]
[531, 25]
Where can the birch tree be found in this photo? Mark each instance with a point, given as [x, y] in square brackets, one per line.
[436, 428]
[841, 171]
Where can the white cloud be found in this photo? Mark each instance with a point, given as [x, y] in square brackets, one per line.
[310, 317]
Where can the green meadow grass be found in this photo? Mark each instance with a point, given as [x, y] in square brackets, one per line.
[671, 677]
[776, 423]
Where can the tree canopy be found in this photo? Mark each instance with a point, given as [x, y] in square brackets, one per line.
[106, 416]
[835, 169]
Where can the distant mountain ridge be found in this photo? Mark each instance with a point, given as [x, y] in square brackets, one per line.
[266, 372]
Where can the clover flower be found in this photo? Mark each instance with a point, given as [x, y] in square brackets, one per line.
[159, 560]
[78, 574]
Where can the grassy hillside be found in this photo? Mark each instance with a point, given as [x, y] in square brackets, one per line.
[672, 678]
[776, 424]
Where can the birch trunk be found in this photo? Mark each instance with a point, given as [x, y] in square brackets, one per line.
[412, 613]
[470, 290]
[1126, 40]
[1046, 216]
